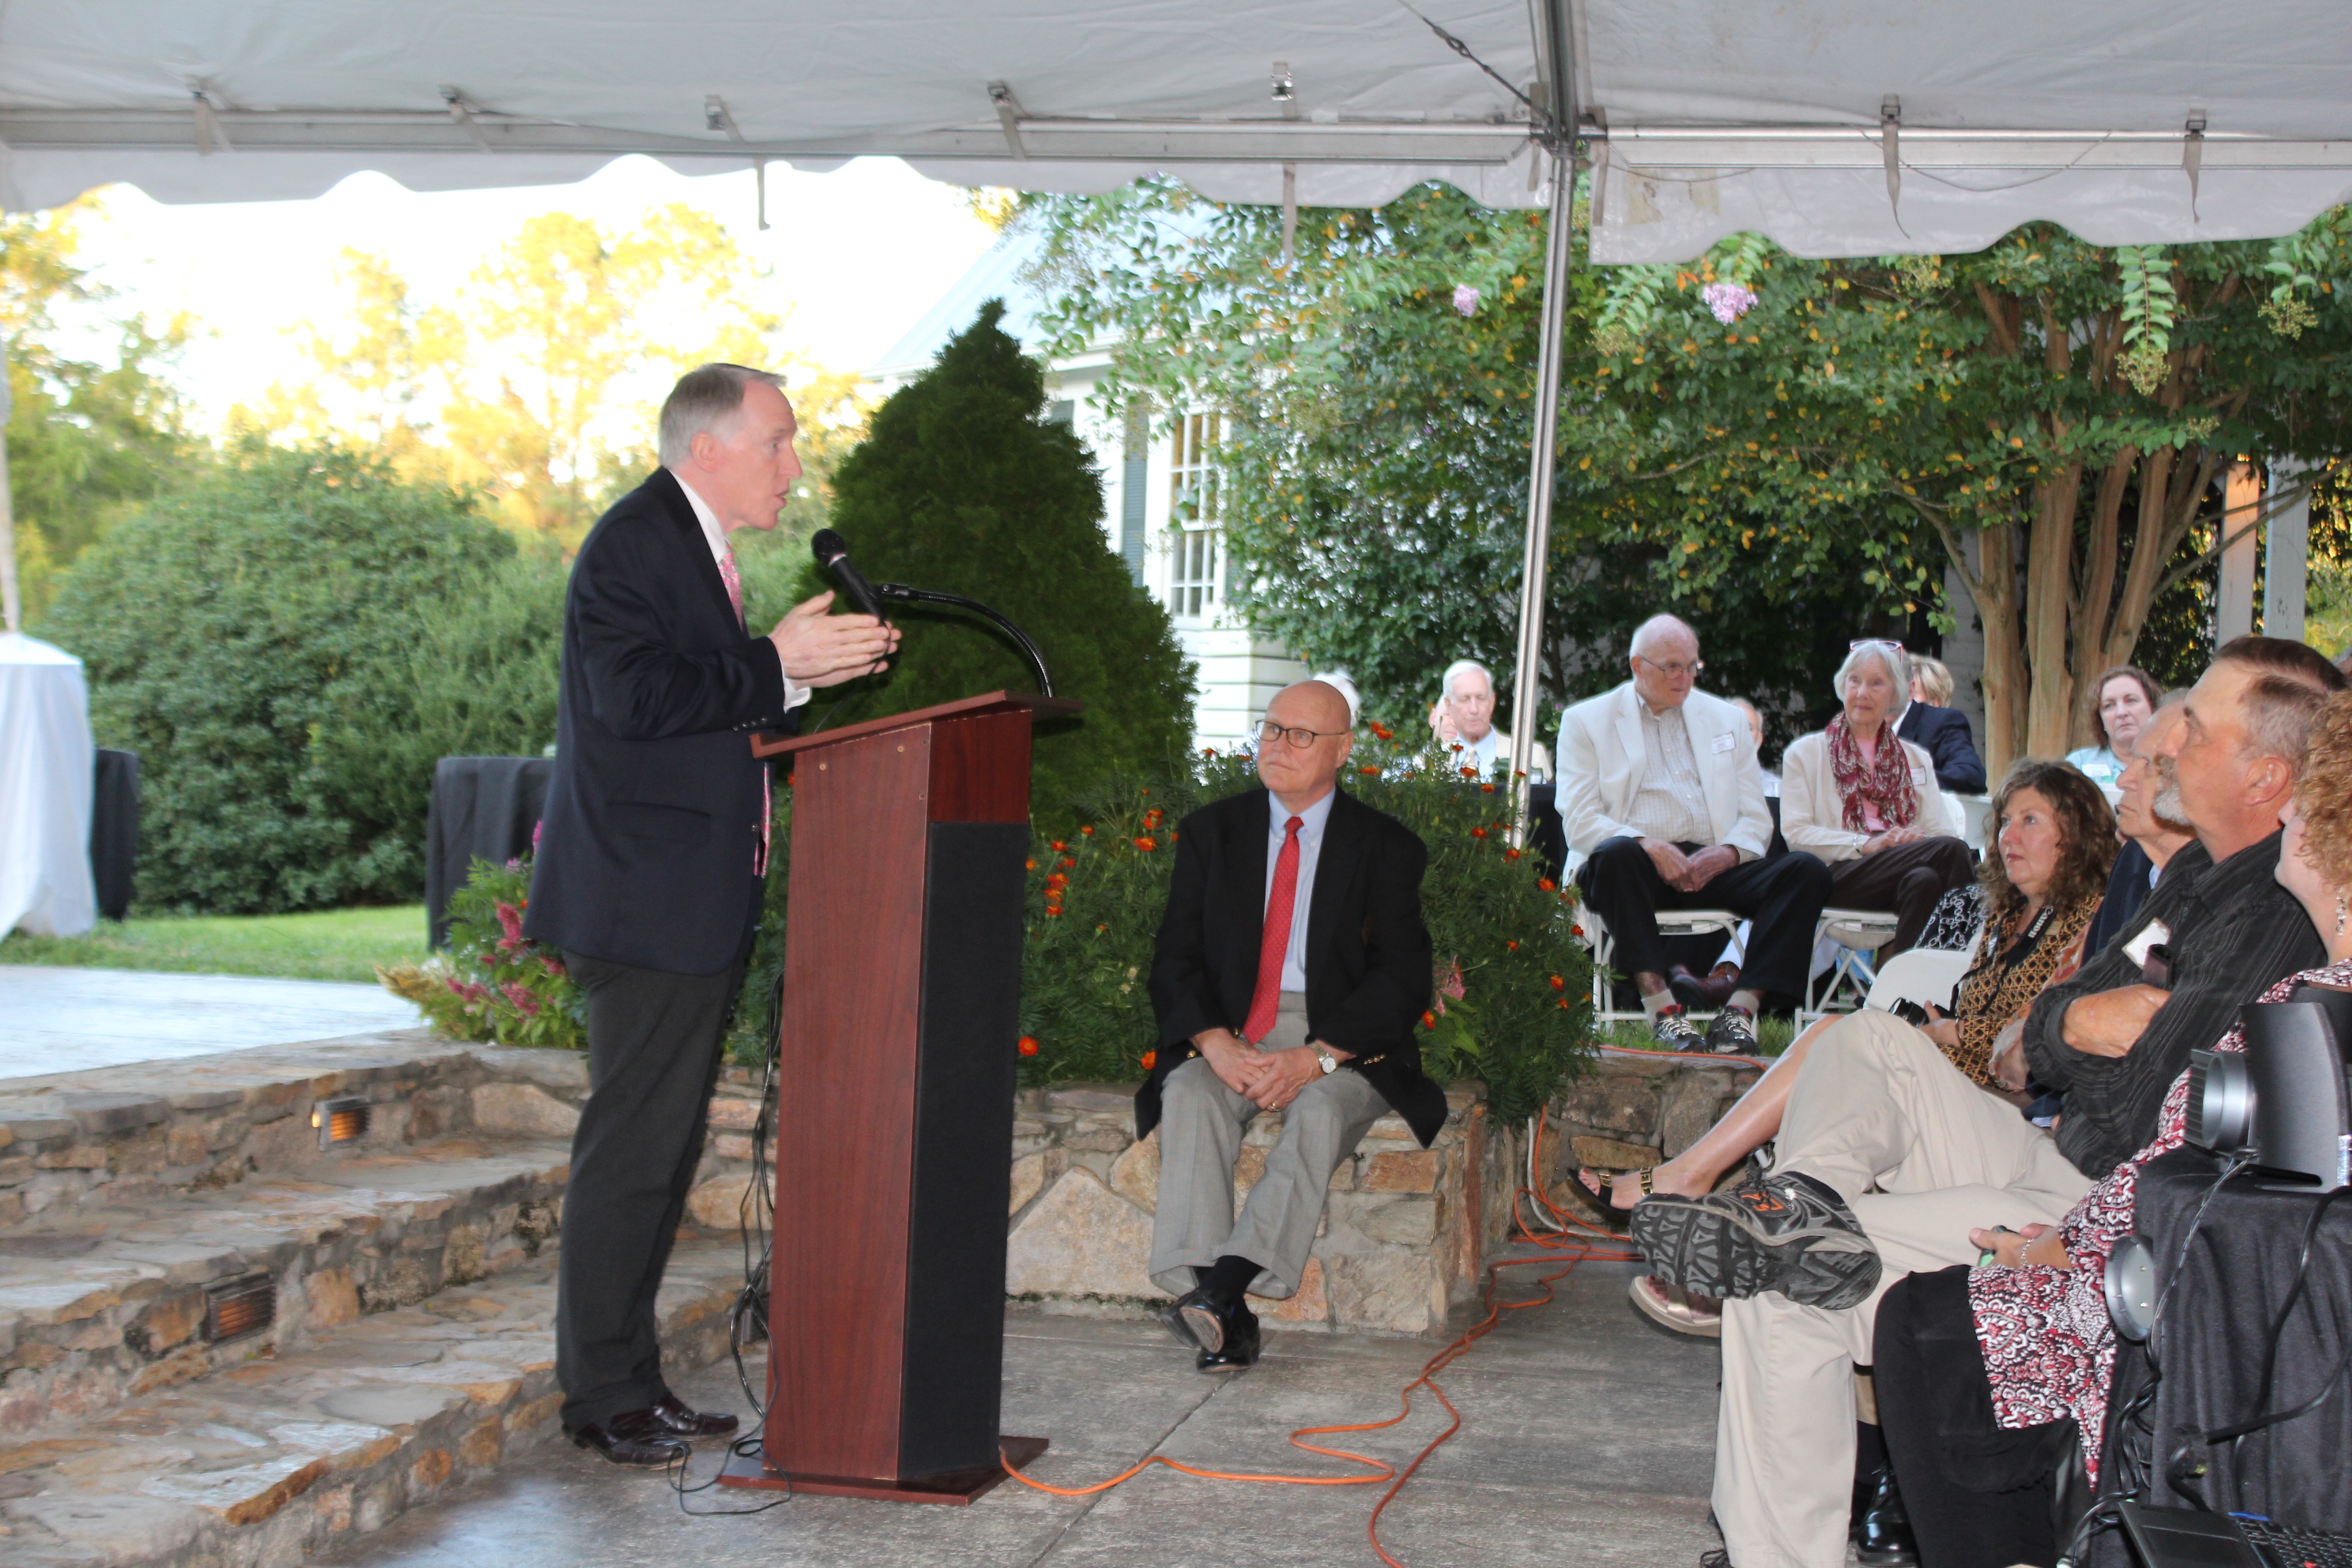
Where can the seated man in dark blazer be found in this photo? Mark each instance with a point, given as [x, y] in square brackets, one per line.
[650, 863]
[1292, 970]
[1943, 733]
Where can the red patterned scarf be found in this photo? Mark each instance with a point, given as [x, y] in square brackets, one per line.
[1885, 783]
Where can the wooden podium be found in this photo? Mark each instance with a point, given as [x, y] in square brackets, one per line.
[894, 1104]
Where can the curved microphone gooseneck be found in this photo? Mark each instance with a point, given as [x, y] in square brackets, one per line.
[900, 592]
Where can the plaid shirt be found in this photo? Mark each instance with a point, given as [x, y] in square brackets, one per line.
[2234, 931]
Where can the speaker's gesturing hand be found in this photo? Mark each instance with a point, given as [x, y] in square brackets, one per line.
[819, 649]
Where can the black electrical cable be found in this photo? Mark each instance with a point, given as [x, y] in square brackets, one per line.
[2237, 1434]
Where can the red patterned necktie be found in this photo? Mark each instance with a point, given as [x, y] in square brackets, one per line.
[728, 574]
[1266, 1002]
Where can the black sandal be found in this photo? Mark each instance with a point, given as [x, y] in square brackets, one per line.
[1607, 1192]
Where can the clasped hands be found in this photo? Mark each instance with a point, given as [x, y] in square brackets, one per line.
[1888, 838]
[1689, 873]
[1270, 1079]
[2036, 1244]
[820, 649]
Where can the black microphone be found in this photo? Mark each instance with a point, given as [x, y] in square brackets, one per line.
[832, 553]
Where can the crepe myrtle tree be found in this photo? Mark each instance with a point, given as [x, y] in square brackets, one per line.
[2059, 415]
[1378, 384]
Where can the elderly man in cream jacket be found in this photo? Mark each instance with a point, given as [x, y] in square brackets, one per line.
[1866, 801]
[1662, 800]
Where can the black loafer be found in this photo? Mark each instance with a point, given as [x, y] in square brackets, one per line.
[1171, 1318]
[1882, 1530]
[1226, 1332]
[633, 1438]
[680, 1419]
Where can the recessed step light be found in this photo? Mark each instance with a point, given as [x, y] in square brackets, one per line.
[235, 1307]
[341, 1120]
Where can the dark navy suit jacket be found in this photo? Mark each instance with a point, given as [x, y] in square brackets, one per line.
[1368, 964]
[647, 850]
[1943, 734]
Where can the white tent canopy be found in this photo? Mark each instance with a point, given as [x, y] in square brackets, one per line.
[1704, 119]
[1835, 127]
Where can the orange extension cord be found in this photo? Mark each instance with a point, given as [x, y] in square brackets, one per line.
[1562, 1242]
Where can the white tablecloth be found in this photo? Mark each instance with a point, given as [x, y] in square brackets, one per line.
[48, 764]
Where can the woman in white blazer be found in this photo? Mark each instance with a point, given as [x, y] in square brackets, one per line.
[1866, 803]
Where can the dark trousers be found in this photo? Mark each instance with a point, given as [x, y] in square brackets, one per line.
[1979, 1494]
[653, 1058]
[1907, 881]
[1782, 898]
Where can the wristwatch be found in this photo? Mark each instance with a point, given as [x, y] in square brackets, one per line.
[1330, 1063]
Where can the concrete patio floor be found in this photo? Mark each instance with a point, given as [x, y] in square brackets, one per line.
[1587, 1440]
[56, 1020]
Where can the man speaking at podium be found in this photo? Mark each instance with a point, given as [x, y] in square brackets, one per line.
[651, 858]
[1292, 968]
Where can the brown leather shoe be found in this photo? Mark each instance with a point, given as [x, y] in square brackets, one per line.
[680, 1419]
[632, 1437]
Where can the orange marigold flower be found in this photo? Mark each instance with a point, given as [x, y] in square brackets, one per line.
[1486, 788]
[1576, 930]
[1057, 880]
[1067, 861]
[1032, 865]
[1368, 772]
[1428, 1019]
[1510, 854]
[1087, 830]
[1557, 984]
[1514, 946]
[1467, 772]
[1478, 833]
[1028, 1046]
[1146, 844]
[1059, 845]
[1547, 885]
[1151, 1060]
[1052, 908]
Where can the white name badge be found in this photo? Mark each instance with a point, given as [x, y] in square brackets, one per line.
[1724, 742]
[2155, 935]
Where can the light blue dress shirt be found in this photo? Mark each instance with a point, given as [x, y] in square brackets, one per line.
[1310, 849]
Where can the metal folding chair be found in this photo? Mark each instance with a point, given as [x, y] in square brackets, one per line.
[1671, 922]
[1845, 984]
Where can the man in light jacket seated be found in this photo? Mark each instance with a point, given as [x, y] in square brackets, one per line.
[1866, 802]
[1662, 800]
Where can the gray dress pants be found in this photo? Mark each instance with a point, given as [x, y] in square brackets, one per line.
[1201, 1124]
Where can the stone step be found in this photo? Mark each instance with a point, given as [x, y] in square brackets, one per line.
[102, 1303]
[274, 1462]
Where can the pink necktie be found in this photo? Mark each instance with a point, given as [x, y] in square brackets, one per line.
[1266, 1002]
[734, 580]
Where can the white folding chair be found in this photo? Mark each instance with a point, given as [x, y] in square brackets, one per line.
[1671, 922]
[1923, 974]
[1857, 934]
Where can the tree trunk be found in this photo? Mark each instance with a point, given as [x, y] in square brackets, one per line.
[2049, 598]
[2005, 681]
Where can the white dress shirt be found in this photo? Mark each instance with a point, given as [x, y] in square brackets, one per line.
[716, 537]
[1311, 847]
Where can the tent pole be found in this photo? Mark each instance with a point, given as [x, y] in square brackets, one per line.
[12, 608]
[1558, 247]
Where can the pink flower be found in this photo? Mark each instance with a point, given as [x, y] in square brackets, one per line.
[1453, 986]
[553, 966]
[1465, 298]
[456, 987]
[510, 922]
[520, 995]
[1730, 301]
[534, 834]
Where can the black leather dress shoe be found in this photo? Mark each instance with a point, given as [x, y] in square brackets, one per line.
[1882, 1530]
[632, 1437]
[1225, 1330]
[680, 1419]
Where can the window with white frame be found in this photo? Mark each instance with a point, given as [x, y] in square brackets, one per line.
[1196, 533]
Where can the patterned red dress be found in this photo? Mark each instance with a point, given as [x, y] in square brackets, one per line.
[2048, 1346]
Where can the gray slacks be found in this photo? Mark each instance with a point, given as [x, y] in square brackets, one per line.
[1201, 1124]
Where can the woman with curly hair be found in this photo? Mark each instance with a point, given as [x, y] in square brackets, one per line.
[1985, 1374]
[2054, 841]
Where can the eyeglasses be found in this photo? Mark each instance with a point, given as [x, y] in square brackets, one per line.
[1674, 671]
[1270, 732]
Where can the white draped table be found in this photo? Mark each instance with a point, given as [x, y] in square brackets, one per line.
[46, 767]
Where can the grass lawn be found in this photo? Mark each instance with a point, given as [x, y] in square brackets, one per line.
[334, 944]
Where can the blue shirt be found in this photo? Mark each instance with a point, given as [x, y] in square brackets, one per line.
[1310, 848]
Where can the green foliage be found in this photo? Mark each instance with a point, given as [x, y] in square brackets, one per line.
[87, 440]
[1377, 455]
[963, 488]
[1514, 985]
[289, 642]
[495, 984]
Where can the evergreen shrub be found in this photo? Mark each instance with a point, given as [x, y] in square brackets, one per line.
[289, 642]
[963, 487]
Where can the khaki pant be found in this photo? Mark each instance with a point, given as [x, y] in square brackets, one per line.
[1875, 1105]
[1201, 1123]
